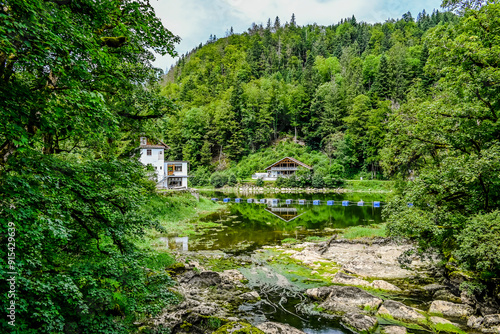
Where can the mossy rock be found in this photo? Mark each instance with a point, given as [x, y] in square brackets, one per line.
[238, 328]
[177, 268]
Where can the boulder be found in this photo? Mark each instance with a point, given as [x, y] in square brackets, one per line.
[238, 327]
[438, 320]
[446, 295]
[474, 322]
[449, 309]
[277, 328]
[394, 330]
[250, 296]
[205, 279]
[343, 278]
[491, 320]
[383, 285]
[344, 299]
[400, 311]
[490, 324]
[359, 322]
[433, 287]
[319, 293]
[232, 275]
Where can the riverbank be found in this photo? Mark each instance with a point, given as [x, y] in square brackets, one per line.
[363, 186]
[356, 284]
[178, 212]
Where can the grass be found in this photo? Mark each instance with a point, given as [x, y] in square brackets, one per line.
[369, 185]
[372, 231]
[176, 212]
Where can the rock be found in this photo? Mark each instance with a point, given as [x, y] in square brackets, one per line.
[491, 324]
[343, 278]
[487, 310]
[359, 322]
[433, 287]
[250, 296]
[238, 328]
[383, 285]
[344, 299]
[232, 275]
[205, 309]
[449, 309]
[400, 311]
[474, 322]
[394, 330]
[491, 320]
[438, 320]
[446, 295]
[276, 328]
[319, 293]
[205, 279]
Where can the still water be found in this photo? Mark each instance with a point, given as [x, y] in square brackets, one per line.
[244, 227]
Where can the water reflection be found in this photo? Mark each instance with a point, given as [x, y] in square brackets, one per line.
[287, 214]
[179, 243]
[247, 226]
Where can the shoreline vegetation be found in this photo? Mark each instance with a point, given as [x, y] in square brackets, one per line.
[178, 212]
[368, 186]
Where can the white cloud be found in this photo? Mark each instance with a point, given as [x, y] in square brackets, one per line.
[195, 20]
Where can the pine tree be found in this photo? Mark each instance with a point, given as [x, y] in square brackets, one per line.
[277, 24]
[383, 80]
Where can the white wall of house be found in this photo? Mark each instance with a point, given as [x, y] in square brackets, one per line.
[176, 173]
[154, 157]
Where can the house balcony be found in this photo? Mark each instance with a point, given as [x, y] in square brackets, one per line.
[283, 168]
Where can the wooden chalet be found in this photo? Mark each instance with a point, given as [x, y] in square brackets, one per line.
[285, 167]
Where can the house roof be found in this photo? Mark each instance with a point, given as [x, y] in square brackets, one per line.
[160, 144]
[292, 159]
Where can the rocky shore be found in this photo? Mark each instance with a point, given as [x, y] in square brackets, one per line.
[360, 283]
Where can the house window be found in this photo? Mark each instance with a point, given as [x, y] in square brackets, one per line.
[178, 168]
[149, 152]
[160, 167]
[175, 182]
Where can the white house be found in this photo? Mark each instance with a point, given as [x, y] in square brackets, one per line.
[169, 174]
[282, 168]
[176, 174]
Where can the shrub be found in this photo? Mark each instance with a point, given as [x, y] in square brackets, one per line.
[200, 177]
[232, 180]
[331, 181]
[479, 242]
[218, 180]
[259, 183]
[317, 181]
[281, 181]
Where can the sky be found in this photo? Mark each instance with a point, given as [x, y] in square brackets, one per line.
[195, 20]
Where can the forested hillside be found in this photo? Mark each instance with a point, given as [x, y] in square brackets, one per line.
[330, 87]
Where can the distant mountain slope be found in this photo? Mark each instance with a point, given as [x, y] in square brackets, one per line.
[330, 86]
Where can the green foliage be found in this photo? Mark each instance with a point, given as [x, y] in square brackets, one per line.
[200, 177]
[311, 83]
[231, 181]
[83, 219]
[372, 231]
[479, 244]
[218, 179]
[448, 142]
[176, 211]
[76, 80]
[259, 182]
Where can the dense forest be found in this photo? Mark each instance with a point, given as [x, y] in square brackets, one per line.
[328, 87]
[416, 100]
